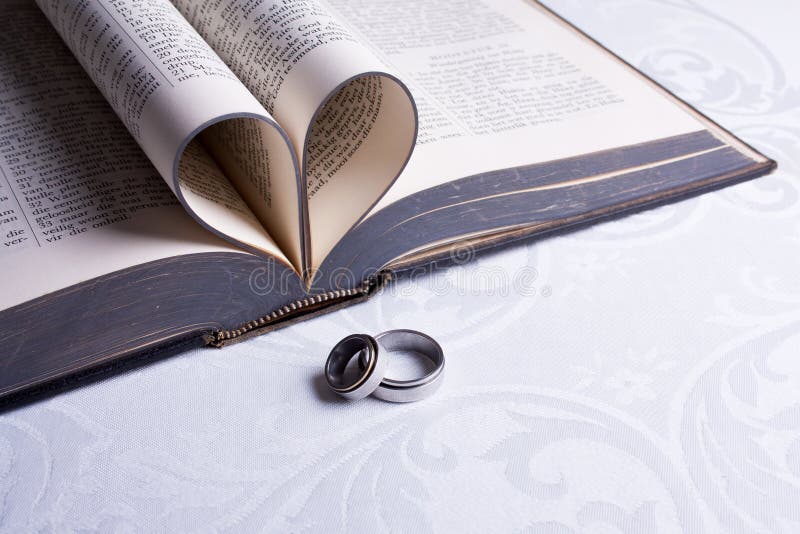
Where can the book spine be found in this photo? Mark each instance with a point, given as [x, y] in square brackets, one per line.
[296, 309]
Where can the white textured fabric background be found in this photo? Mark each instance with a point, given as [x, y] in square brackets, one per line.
[648, 380]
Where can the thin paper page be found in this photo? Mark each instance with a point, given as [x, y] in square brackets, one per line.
[501, 84]
[167, 86]
[78, 198]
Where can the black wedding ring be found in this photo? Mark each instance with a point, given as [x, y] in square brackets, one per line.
[372, 366]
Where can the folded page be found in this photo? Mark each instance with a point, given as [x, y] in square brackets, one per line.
[78, 198]
[218, 148]
[350, 119]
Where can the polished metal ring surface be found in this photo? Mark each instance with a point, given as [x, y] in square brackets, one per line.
[371, 366]
[415, 342]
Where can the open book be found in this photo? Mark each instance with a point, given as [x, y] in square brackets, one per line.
[205, 170]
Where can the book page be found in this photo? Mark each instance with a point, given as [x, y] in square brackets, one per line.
[501, 84]
[350, 120]
[78, 198]
[172, 92]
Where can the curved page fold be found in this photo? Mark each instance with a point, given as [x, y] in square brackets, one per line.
[189, 112]
[350, 120]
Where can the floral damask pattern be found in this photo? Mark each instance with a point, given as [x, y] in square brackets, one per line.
[740, 432]
[638, 376]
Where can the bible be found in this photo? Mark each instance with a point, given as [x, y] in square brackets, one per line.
[197, 172]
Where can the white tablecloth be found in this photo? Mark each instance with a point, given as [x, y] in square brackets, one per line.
[648, 380]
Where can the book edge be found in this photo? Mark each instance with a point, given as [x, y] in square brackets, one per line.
[713, 126]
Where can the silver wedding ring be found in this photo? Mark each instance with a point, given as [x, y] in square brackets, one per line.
[371, 354]
[417, 389]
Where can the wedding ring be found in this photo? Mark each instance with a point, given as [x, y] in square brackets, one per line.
[417, 343]
[371, 366]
